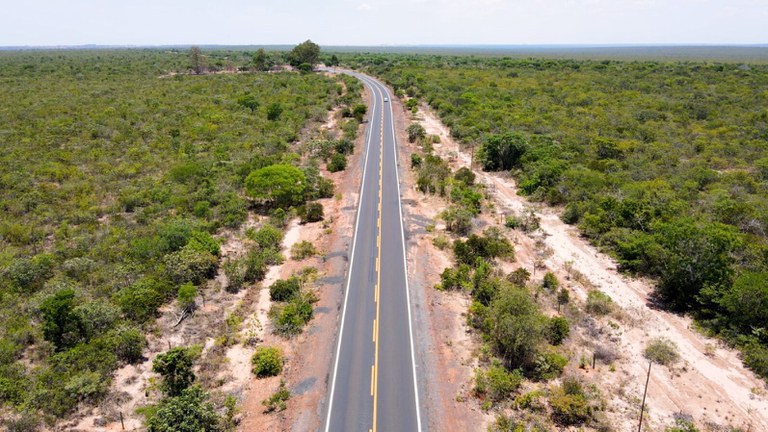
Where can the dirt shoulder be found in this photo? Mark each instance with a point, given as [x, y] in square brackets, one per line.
[444, 344]
[710, 383]
[309, 356]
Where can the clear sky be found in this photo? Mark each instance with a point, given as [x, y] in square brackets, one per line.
[382, 22]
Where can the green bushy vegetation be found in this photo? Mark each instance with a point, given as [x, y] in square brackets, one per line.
[115, 177]
[267, 362]
[661, 163]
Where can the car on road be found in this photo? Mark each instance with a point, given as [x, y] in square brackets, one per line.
[386, 99]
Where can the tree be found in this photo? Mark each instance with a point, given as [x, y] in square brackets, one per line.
[306, 52]
[260, 60]
[334, 60]
[502, 152]
[516, 326]
[196, 60]
[188, 412]
[186, 296]
[281, 185]
[274, 110]
[61, 325]
[175, 366]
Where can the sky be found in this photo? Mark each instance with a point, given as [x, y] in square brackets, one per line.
[382, 22]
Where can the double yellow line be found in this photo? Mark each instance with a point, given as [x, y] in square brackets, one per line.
[377, 320]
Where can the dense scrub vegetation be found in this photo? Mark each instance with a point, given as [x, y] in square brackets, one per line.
[662, 164]
[114, 178]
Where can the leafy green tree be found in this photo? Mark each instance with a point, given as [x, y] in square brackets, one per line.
[190, 265]
[517, 327]
[196, 60]
[558, 330]
[141, 300]
[747, 302]
[61, 325]
[274, 110]
[175, 366]
[306, 52]
[284, 289]
[281, 185]
[334, 60]
[187, 412]
[358, 111]
[502, 152]
[248, 101]
[260, 60]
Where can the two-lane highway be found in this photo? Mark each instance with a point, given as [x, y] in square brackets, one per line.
[373, 383]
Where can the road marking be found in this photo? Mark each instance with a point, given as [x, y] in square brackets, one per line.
[374, 330]
[405, 262]
[349, 274]
[373, 385]
[378, 279]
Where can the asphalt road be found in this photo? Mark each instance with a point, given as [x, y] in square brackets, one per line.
[373, 383]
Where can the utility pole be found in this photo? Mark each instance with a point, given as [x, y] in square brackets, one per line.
[645, 392]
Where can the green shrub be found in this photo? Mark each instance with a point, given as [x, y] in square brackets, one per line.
[550, 281]
[415, 160]
[235, 271]
[141, 300]
[455, 279]
[289, 319]
[61, 325]
[187, 412]
[548, 364]
[599, 303]
[268, 236]
[267, 362]
[311, 212]
[303, 250]
[190, 265]
[175, 366]
[569, 403]
[186, 296]
[662, 351]
[497, 383]
[338, 163]
[204, 242]
[557, 330]
[285, 289]
[129, 344]
[682, 426]
[277, 401]
[415, 132]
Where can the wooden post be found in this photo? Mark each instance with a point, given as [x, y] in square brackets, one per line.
[169, 345]
[121, 420]
[645, 392]
[593, 360]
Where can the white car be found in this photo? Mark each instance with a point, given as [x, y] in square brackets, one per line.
[386, 99]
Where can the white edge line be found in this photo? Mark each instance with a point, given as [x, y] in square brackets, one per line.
[349, 274]
[405, 263]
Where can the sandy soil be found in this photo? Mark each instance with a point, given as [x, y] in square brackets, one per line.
[715, 389]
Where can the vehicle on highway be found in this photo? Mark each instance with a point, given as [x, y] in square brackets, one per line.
[386, 99]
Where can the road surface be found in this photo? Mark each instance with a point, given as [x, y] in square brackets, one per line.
[373, 382]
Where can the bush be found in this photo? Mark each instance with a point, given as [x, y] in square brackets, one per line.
[187, 412]
[465, 175]
[141, 300]
[662, 351]
[190, 265]
[204, 242]
[557, 330]
[175, 366]
[277, 402]
[415, 132]
[267, 362]
[61, 325]
[234, 270]
[338, 163]
[284, 290]
[129, 344]
[497, 383]
[569, 403]
[268, 237]
[186, 296]
[457, 220]
[548, 365]
[682, 426]
[302, 250]
[550, 281]
[599, 303]
[312, 212]
[415, 160]
[289, 320]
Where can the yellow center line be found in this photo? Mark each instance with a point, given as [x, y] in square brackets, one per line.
[377, 320]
